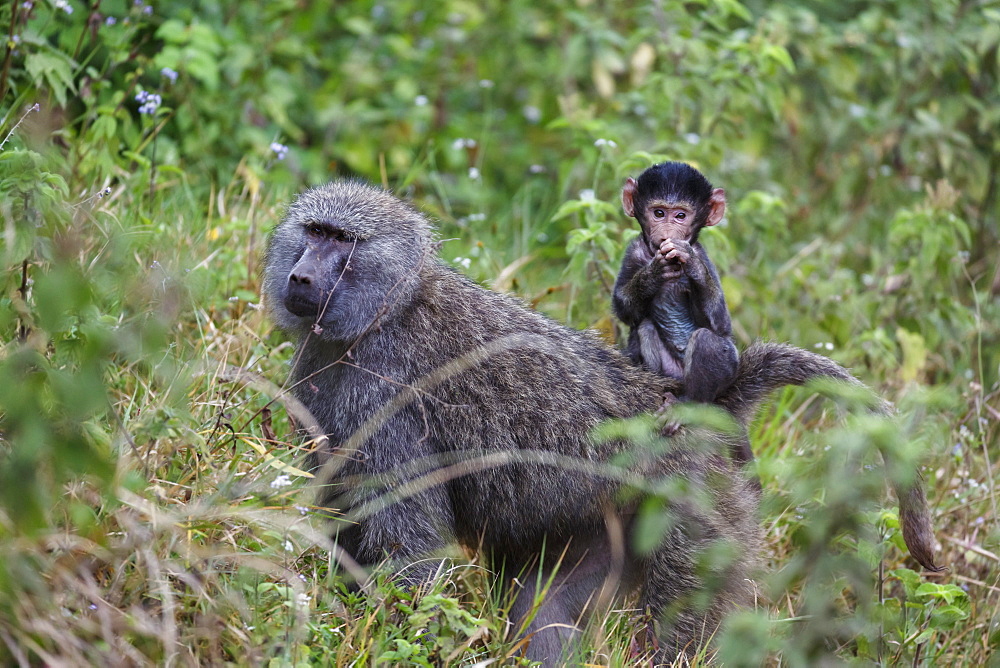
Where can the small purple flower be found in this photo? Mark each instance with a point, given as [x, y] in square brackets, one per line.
[110, 21]
[169, 74]
[148, 9]
[63, 5]
[27, 5]
[280, 150]
[150, 102]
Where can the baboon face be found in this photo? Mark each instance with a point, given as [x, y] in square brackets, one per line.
[672, 200]
[327, 252]
[340, 259]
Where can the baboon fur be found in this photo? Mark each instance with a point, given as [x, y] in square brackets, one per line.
[457, 414]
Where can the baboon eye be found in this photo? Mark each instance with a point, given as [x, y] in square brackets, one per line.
[342, 236]
[681, 215]
[659, 213]
[329, 232]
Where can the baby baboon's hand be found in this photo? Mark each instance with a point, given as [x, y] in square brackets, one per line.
[673, 255]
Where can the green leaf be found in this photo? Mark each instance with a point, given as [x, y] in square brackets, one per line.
[55, 69]
[911, 580]
[568, 208]
[914, 354]
[948, 616]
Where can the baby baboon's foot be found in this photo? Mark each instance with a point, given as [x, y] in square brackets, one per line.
[669, 428]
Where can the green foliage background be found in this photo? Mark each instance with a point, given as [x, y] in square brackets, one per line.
[141, 520]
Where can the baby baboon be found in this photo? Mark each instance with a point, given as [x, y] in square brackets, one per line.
[668, 291]
[458, 414]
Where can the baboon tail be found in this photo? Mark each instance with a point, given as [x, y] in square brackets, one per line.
[766, 366]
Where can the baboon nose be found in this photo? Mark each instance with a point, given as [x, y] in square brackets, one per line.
[302, 296]
[300, 278]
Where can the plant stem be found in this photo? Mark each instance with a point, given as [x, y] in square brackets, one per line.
[9, 55]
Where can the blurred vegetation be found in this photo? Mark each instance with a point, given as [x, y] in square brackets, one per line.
[150, 507]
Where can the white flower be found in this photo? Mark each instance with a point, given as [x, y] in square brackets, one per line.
[420, 100]
[587, 195]
[531, 113]
[280, 150]
[474, 173]
[281, 481]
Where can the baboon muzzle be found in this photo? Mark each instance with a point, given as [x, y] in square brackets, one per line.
[303, 294]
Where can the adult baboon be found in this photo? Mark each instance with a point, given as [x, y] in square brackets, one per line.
[458, 414]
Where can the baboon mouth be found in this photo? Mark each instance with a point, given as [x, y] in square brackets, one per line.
[301, 307]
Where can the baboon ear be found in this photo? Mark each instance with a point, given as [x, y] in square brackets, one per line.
[717, 204]
[628, 192]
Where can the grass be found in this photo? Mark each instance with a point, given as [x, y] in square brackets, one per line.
[203, 547]
[153, 506]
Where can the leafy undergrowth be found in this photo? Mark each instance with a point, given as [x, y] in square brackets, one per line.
[187, 533]
[154, 504]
